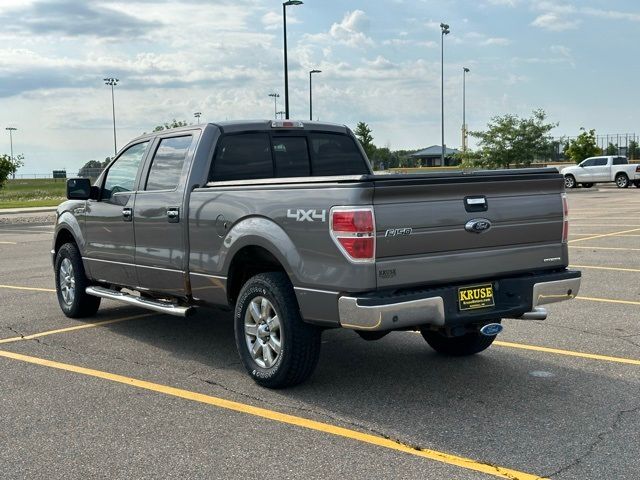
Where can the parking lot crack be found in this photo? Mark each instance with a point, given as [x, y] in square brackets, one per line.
[597, 441]
[13, 330]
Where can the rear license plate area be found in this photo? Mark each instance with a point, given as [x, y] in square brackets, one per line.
[475, 297]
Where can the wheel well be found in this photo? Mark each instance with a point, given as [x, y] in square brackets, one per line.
[246, 263]
[621, 174]
[64, 236]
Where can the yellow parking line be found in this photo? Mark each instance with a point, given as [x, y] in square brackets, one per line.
[569, 353]
[603, 235]
[302, 422]
[15, 287]
[607, 248]
[72, 329]
[608, 300]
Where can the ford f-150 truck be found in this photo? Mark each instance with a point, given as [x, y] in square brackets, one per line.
[602, 170]
[284, 223]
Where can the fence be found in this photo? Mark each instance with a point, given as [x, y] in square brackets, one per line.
[621, 142]
[61, 174]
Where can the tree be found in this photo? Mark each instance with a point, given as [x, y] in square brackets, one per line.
[173, 124]
[612, 149]
[583, 146]
[633, 151]
[363, 134]
[91, 169]
[9, 166]
[511, 140]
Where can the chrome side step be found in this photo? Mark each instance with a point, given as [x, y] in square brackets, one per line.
[154, 305]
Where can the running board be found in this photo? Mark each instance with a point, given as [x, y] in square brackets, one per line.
[155, 305]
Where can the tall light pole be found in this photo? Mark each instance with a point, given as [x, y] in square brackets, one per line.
[11, 130]
[444, 28]
[311, 72]
[465, 70]
[275, 103]
[281, 113]
[286, 67]
[197, 115]
[113, 82]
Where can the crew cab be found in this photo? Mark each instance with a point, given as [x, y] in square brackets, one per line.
[285, 224]
[602, 170]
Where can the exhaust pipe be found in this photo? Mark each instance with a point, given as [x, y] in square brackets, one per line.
[155, 305]
[538, 313]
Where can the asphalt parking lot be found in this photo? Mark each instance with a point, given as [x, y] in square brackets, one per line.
[132, 394]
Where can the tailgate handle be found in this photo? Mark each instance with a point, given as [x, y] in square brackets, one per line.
[476, 204]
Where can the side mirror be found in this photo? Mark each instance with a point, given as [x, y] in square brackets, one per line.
[79, 189]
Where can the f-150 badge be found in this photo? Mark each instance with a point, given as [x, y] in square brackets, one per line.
[302, 215]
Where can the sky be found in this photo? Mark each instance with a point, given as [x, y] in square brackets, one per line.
[380, 62]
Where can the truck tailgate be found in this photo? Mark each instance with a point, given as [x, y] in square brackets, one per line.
[420, 226]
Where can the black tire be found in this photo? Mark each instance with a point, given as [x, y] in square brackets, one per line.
[299, 342]
[622, 181]
[637, 184]
[587, 185]
[78, 304]
[464, 345]
[570, 181]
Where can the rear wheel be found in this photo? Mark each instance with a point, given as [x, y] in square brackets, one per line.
[569, 181]
[622, 181]
[587, 185]
[276, 347]
[468, 344]
[637, 183]
[71, 283]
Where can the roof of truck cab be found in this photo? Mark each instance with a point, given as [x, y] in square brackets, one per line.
[253, 125]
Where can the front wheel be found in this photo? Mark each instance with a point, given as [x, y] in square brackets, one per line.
[622, 181]
[461, 346]
[71, 283]
[276, 347]
[570, 181]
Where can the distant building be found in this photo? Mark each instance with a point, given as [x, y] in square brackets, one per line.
[431, 156]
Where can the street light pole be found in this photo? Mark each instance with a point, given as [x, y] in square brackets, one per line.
[281, 113]
[11, 130]
[444, 31]
[112, 82]
[465, 70]
[286, 67]
[311, 72]
[197, 115]
[275, 103]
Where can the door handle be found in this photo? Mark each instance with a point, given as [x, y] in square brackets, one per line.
[127, 214]
[173, 215]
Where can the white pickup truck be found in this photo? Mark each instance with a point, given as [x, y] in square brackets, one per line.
[600, 170]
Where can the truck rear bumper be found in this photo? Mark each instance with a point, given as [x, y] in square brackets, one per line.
[515, 297]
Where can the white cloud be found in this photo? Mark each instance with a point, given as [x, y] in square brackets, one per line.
[273, 20]
[612, 14]
[555, 22]
[352, 29]
[503, 3]
[499, 41]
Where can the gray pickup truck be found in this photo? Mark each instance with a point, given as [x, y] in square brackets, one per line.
[285, 223]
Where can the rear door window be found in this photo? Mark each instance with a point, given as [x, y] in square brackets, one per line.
[167, 163]
[244, 156]
[620, 161]
[291, 156]
[335, 154]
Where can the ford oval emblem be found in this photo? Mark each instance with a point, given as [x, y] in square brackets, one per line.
[491, 329]
[477, 225]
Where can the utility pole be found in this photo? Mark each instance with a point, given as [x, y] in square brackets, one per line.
[465, 70]
[113, 82]
[444, 28]
[197, 115]
[11, 130]
[275, 103]
[286, 66]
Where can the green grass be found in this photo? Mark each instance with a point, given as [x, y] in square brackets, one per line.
[41, 192]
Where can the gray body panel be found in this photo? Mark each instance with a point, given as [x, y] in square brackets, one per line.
[191, 259]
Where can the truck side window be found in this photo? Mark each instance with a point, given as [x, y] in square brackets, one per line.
[334, 154]
[291, 156]
[600, 162]
[167, 163]
[588, 163]
[121, 176]
[243, 156]
[620, 161]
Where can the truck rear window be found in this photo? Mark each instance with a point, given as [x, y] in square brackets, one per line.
[334, 154]
[620, 160]
[245, 156]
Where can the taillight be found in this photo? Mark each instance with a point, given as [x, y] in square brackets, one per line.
[565, 218]
[638, 169]
[353, 229]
